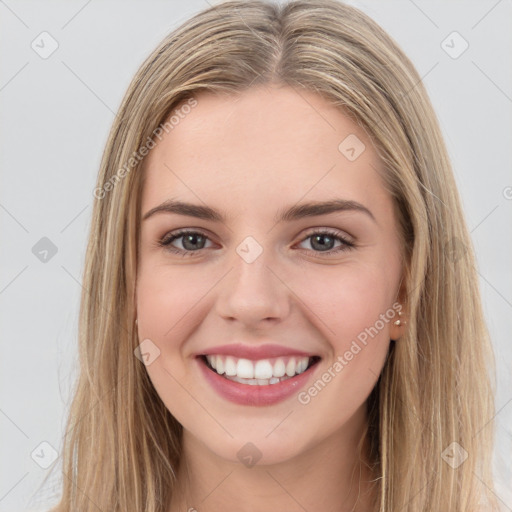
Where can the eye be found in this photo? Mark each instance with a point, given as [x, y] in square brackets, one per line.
[190, 240]
[323, 240]
[194, 241]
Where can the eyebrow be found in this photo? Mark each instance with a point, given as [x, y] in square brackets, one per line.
[292, 213]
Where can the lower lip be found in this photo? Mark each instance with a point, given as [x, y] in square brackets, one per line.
[245, 394]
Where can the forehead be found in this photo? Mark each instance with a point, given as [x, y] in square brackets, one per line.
[266, 145]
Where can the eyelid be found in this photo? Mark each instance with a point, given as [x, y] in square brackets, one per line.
[309, 232]
[346, 242]
[334, 231]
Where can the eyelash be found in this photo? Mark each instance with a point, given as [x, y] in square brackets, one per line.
[166, 241]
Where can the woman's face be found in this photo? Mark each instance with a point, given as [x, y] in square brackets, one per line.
[258, 285]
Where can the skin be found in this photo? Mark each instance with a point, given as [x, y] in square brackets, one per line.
[251, 155]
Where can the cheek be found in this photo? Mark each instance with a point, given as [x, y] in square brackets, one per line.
[165, 307]
[166, 298]
[347, 300]
[353, 311]
[351, 307]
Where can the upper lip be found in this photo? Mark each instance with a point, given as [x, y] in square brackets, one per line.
[255, 352]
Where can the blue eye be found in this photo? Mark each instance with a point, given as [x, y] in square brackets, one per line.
[189, 239]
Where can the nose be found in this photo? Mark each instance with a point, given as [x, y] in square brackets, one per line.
[253, 293]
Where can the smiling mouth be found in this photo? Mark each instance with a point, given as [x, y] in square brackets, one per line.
[262, 372]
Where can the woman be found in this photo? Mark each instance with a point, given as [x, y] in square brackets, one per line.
[280, 306]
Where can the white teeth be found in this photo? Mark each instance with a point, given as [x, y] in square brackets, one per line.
[291, 367]
[262, 372]
[245, 369]
[229, 366]
[263, 369]
[279, 368]
[257, 382]
[219, 368]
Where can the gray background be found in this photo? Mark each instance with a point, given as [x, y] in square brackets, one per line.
[56, 113]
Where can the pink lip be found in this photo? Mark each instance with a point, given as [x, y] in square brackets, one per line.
[254, 352]
[245, 394]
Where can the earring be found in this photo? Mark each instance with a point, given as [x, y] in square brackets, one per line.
[399, 322]
[135, 321]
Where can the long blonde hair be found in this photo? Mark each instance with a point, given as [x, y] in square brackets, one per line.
[122, 446]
